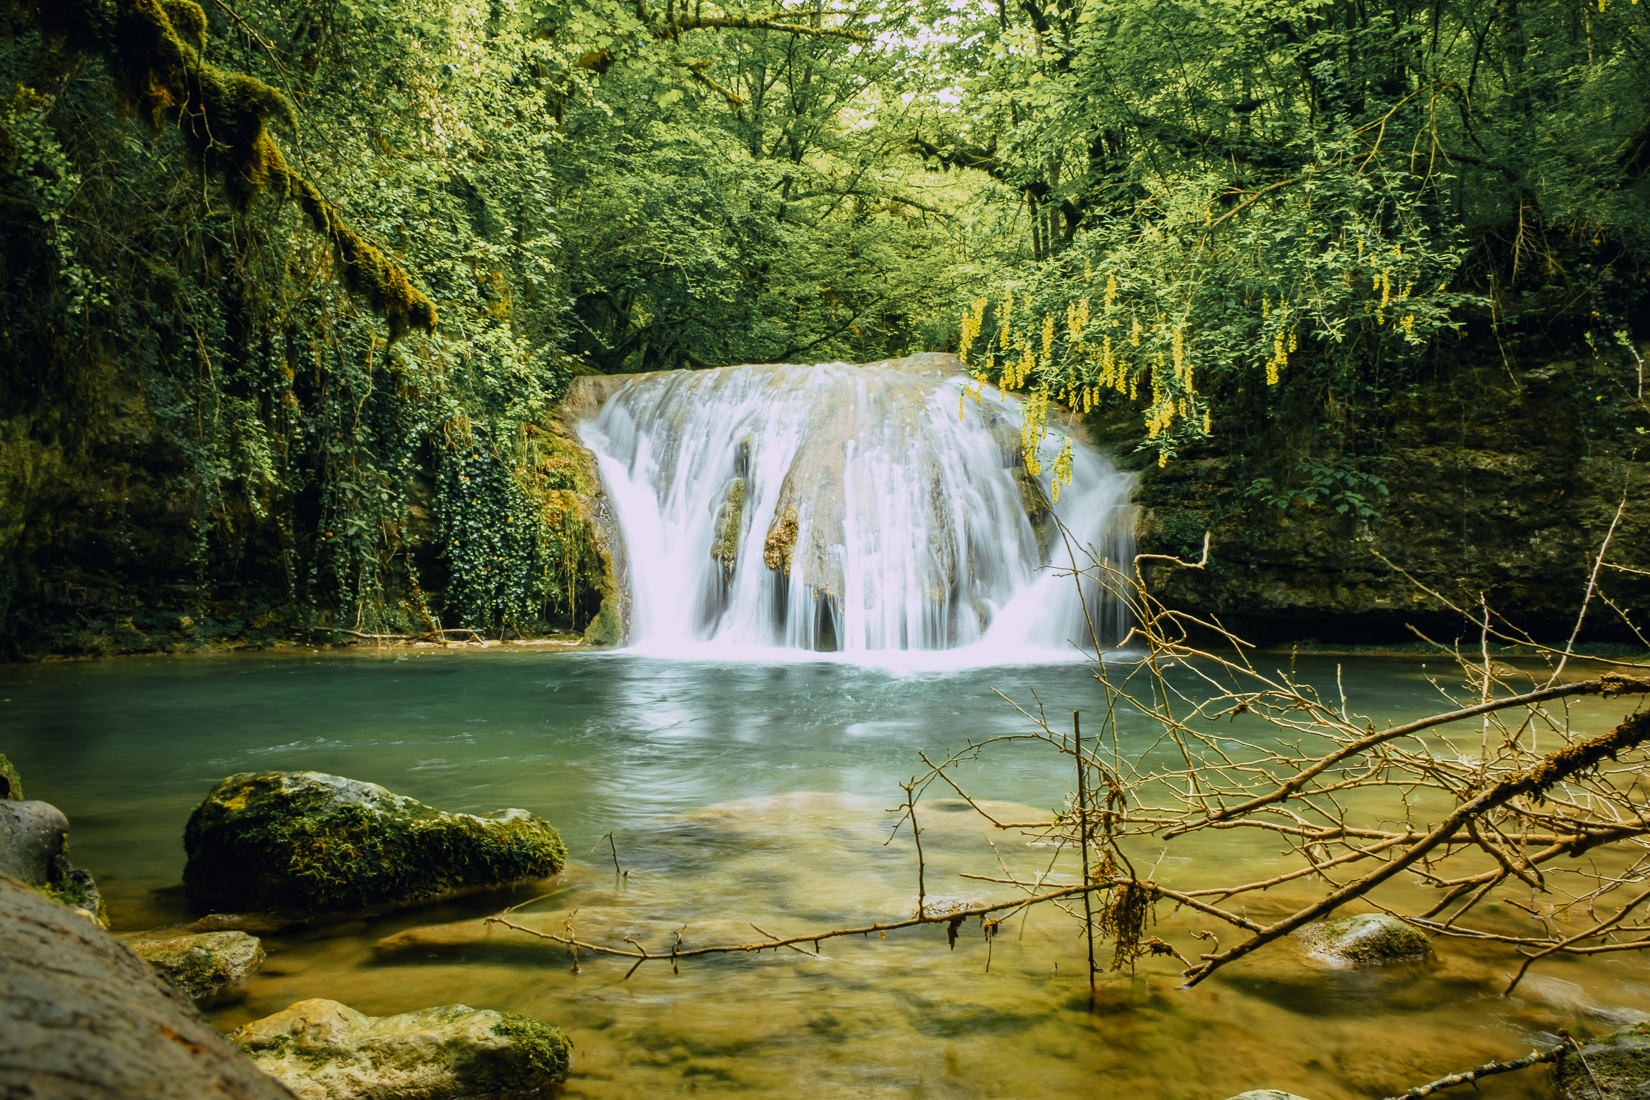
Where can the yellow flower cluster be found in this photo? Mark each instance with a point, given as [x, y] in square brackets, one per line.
[1093, 353]
[1284, 341]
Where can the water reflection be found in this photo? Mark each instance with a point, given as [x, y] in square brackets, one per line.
[751, 795]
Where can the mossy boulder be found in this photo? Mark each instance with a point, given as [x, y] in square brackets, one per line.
[1616, 1065]
[210, 968]
[328, 1051]
[11, 784]
[309, 846]
[1366, 939]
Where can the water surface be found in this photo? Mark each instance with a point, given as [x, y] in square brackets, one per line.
[741, 796]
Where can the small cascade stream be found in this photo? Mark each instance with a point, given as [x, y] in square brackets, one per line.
[851, 509]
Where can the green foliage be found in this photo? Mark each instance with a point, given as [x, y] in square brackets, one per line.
[1338, 484]
[1236, 212]
[586, 184]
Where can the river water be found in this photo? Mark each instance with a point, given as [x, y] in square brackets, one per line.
[733, 797]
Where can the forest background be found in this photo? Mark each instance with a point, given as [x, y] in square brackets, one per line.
[292, 288]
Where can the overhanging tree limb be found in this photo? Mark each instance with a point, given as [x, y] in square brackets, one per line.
[154, 49]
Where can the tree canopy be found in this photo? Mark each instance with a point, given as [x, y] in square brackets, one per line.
[316, 271]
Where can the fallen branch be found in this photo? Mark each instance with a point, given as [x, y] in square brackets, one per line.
[1488, 1069]
[1532, 782]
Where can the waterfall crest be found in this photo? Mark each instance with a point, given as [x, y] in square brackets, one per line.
[852, 510]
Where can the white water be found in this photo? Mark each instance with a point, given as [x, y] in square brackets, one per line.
[784, 511]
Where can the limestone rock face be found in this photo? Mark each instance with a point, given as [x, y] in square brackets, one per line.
[1495, 479]
[327, 1051]
[310, 846]
[84, 1017]
[1366, 939]
[209, 968]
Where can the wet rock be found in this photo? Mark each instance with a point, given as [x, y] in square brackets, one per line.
[83, 1016]
[34, 846]
[1616, 1065]
[209, 968]
[33, 837]
[1366, 939]
[945, 905]
[318, 846]
[328, 1051]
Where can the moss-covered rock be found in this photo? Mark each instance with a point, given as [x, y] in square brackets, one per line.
[1366, 939]
[1616, 1065]
[209, 968]
[327, 1051]
[309, 846]
[11, 784]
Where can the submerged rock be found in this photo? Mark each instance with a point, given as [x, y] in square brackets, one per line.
[82, 1016]
[328, 1051]
[1616, 1065]
[209, 968]
[1366, 939]
[309, 845]
[1266, 1094]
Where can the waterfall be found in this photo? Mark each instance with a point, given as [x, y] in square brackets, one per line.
[862, 510]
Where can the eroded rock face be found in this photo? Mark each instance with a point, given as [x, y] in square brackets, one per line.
[82, 1016]
[1366, 939]
[324, 1050]
[309, 846]
[1497, 480]
[209, 968]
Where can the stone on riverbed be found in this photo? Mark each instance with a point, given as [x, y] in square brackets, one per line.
[34, 849]
[311, 846]
[209, 968]
[1616, 1065]
[324, 1050]
[1366, 939]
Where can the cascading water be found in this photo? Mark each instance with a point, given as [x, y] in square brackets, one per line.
[850, 509]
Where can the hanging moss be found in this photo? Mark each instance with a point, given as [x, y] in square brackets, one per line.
[154, 48]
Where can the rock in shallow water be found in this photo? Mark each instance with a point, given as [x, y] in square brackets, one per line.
[1366, 939]
[1617, 1065]
[84, 1017]
[310, 845]
[324, 1050]
[33, 837]
[209, 968]
[34, 849]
